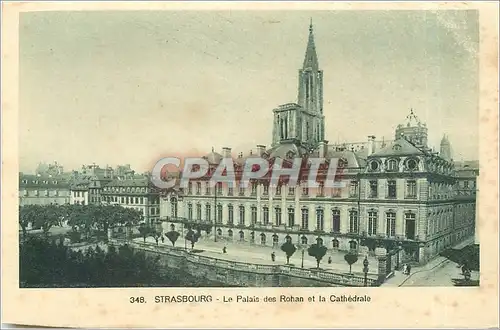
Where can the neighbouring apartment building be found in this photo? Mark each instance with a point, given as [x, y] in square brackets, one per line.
[134, 192]
[43, 190]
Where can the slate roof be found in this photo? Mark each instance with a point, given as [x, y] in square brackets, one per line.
[42, 182]
[405, 148]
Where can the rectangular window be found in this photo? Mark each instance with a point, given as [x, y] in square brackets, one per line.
[230, 212]
[198, 188]
[336, 221]
[305, 219]
[190, 211]
[411, 189]
[278, 190]
[291, 191]
[265, 215]
[219, 188]
[410, 225]
[319, 219]
[291, 217]
[353, 189]
[391, 189]
[254, 215]
[208, 212]
[373, 189]
[219, 213]
[266, 189]
[336, 192]
[198, 211]
[241, 191]
[230, 191]
[305, 191]
[391, 224]
[190, 188]
[353, 222]
[254, 189]
[242, 215]
[372, 223]
[208, 191]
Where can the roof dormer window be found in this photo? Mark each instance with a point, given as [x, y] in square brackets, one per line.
[396, 147]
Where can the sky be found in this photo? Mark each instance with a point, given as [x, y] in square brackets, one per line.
[131, 87]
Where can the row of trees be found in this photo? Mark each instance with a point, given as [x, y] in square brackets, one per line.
[51, 264]
[83, 218]
[316, 250]
[193, 233]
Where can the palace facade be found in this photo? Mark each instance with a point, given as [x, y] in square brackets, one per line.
[397, 194]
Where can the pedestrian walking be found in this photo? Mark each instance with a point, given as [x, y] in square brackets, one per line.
[330, 260]
[405, 269]
[273, 256]
[162, 239]
[408, 269]
[224, 250]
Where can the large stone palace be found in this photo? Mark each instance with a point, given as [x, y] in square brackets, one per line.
[397, 194]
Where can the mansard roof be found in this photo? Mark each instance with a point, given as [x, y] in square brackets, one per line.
[399, 147]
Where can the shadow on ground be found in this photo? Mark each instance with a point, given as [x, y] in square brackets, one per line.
[468, 255]
[463, 282]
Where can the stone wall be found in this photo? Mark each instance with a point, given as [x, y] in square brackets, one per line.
[245, 274]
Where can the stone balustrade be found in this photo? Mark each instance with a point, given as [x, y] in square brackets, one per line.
[320, 275]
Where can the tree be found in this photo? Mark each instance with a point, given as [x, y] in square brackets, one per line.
[351, 259]
[173, 236]
[192, 237]
[74, 235]
[156, 235]
[318, 251]
[289, 250]
[27, 215]
[144, 230]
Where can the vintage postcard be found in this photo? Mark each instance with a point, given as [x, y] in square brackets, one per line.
[232, 165]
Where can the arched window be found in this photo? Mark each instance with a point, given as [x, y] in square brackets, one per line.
[303, 240]
[242, 235]
[392, 165]
[219, 232]
[172, 227]
[374, 166]
[230, 233]
[263, 239]
[353, 245]
[275, 238]
[288, 239]
[319, 241]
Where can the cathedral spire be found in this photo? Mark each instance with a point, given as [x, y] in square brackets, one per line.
[311, 58]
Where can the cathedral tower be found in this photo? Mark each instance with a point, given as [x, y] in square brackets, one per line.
[303, 123]
[445, 151]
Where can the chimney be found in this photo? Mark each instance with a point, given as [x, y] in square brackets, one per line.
[226, 152]
[323, 148]
[371, 145]
[261, 149]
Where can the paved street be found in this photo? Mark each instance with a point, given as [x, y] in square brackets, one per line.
[262, 255]
[438, 272]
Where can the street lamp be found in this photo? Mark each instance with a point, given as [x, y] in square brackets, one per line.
[303, 250]
[365, 269]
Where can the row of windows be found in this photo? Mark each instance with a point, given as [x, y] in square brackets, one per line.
[392, 165]
[36, 181]
[130, 200]
[127, 189]
[42, 193]
[411, 189]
